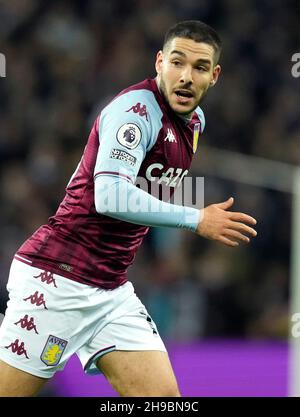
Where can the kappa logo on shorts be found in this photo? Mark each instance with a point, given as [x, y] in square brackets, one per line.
[37, 299]
[27, 324]
[17, 348]
[53, 350]
[47, 277]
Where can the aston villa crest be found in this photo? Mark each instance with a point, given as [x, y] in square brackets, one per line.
[53, 350]
[196, 136]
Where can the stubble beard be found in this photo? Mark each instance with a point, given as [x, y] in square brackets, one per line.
[163, 89]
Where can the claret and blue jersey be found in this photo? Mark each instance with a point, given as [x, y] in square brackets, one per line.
[136, 135]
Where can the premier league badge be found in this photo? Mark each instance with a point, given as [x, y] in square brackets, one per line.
[129, 135]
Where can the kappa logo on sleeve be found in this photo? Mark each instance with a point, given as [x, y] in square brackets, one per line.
[122, 156]
[53, 350]
[140, 110]
[129, 135]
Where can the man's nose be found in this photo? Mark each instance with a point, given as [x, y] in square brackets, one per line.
[186, 76]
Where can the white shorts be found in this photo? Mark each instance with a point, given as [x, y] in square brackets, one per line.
[49, 318]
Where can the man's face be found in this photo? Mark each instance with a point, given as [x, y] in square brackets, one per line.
[186, 70]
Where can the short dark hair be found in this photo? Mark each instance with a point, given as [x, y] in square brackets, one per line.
[197, 31]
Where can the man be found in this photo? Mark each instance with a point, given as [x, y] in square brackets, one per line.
[68, 287]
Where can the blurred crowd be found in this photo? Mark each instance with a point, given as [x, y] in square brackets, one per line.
[67, 59]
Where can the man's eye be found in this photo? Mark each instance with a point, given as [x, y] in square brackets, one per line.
[176, 63]
[201, 68]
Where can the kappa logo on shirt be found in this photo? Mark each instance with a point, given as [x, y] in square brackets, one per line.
[170, 136]
[140, 109]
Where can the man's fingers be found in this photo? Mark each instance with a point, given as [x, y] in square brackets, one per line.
[241, 227]
[225, 204]
[237, 235]
[242, 217]
[228, 242]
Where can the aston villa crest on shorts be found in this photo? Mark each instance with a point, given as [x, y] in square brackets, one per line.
[53, 350]
[196, 136]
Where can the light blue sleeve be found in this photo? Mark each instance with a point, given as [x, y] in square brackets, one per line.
[128, 128]
[118, 198]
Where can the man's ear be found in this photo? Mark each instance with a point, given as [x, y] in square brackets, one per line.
[216, 73]
[158, 62]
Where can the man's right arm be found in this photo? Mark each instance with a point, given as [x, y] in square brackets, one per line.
[125, 137]
[225, 226]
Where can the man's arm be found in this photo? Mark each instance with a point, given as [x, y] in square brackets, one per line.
[118, 198]
[122, 200]
[224, 226]
[118, 162]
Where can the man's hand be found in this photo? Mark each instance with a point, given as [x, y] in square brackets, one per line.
[226, 227]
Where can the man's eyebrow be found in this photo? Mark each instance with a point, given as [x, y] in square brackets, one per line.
[204, 61]
[200, 60]
[178, 52]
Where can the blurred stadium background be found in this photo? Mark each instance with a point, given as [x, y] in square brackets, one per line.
[225, 314]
